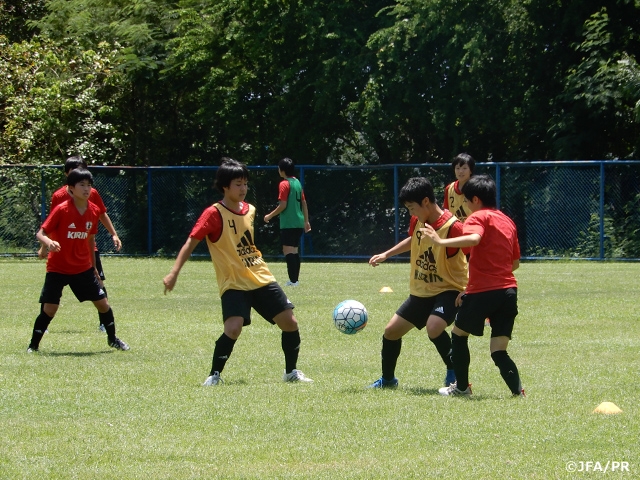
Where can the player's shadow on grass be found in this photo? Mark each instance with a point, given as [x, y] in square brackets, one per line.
[76, 354]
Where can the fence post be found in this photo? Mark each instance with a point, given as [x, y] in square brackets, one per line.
[43, 193]
[601, 210]
[395, 203]
[498, 186]
[303, 233]
[149, 213]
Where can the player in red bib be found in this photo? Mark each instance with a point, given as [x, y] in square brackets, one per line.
[68, 234]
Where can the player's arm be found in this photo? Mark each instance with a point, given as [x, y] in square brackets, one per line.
[305, 213]
[282, 204]
[184, 254]
[91, 240]
[401, 247]
[469, 240]
[515, 265]
[50, 245]
[106, 221]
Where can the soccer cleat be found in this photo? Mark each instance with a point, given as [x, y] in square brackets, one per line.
[453, 391]
[295, 376]
[521, 394]
[119, 345]
[213, 380]
[291, 284]
[450, 377]
[101, 328]
[382, 383]
[31, 350]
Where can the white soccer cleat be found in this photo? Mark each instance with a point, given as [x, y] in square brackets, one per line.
[453, 391]
[296, 376]
[213, 380]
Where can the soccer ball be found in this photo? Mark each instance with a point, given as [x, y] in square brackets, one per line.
[350, 317]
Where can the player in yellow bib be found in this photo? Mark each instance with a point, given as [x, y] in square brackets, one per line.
[438, 275]
[463, 165]
[244, 279]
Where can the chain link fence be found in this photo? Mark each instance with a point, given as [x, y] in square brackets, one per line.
[586, 210]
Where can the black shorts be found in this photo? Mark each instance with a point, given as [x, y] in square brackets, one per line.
[290, 237]
[268, 301]
[85, 286]
[499, 306]
[416, 310]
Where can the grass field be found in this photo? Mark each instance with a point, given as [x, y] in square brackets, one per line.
[79, 409]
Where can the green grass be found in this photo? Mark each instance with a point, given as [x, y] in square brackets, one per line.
[79, 409]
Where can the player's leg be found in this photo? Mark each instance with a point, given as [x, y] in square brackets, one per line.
[442, 315]
[87, 287]
[396, 328]
[273, 305]
[290, 238]
[100, 270]
[49, 303]
[501, 328]
[236, 312]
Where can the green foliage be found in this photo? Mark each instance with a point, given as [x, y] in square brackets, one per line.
[330, 82]
[58, 100]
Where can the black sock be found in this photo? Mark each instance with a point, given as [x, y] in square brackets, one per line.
[39, 327]
[443, 345]
[390, 353]
[109, 323]
[293, 266]
[221, 353]
[291, 348]
[461, 358]
[508, 370]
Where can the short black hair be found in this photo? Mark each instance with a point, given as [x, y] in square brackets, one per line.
[74, 162]
[287, 166]
[228, 171]
[77, 175]
[483, 187]
[464, 159]
[417, 189]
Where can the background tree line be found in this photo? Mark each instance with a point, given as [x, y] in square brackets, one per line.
[160, 82]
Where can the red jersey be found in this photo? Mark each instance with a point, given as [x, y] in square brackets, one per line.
[491, 261]
[71, 230]
[62, 195]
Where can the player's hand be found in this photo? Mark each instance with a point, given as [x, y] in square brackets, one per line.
[42, 252]
[307, 227]
[431, 233]
[53, 246]
[266, 219]
[460, 299]
[377, 259]
[116, 242]
[169, 282]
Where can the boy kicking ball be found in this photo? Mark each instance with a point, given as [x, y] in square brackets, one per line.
[244, 280]
[68, 234]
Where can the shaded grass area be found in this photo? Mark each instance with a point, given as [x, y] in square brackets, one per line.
[79, 409]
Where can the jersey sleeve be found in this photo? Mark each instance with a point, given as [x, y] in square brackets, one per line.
[208, 225]
[51, 222]
[97, 200]
[473, 224]
[412, 225]
[283, 191]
